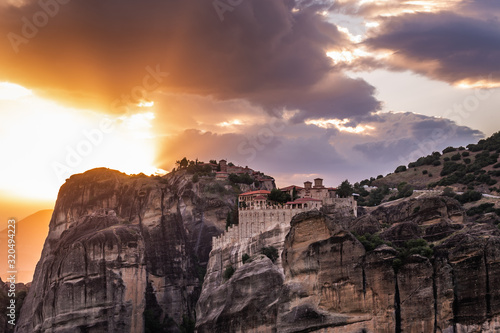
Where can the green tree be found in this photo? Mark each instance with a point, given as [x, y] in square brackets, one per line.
[245, 257]
[228, 272]
[271, 252]
[400, 168]
[345, 189]
[279, 196]
[182, 163]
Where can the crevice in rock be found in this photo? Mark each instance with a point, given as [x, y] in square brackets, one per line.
[85, 259]
[435, 296]
[81, 203]
[488, 290]
[397, 304]
[455, 299]
[364, 277]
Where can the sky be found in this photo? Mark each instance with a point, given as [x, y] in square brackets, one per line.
[299, 89]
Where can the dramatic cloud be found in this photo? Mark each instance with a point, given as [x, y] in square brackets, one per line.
[114, 51]
[444, 46]
[409, 136]
[285, 149]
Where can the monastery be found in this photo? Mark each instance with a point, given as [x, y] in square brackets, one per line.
[257, 214]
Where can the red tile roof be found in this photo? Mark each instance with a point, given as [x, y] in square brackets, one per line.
[302, 200]
[256, 192]
[260, 197]
[288, 188]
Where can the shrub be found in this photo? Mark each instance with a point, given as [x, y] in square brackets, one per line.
[369, 241]
[400, 168]
[405, 190]
[244, 178]
[380, 176]
[271, 252]
[424, 172]
[245, 257]
[448, 192]
[469, 196]
[228, 272]
[467, 160]
[188, 325]
[430, 174]
[481, 209]
[465, 154]
[436, 163]
[448, 150]
[496, 166]
[456, 157]
[450, 167]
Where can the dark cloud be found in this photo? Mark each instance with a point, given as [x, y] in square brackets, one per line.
[285, 150]
[98, 51]
[443, 46]
[483, 9]
[416, 136]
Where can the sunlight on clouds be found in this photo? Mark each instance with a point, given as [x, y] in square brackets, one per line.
[372, 24]
[230, 123]
[480, 84]
[390, 8]
[349, 56]
[146, 104]
[45, 143]
[139, 124]
[11, 91]
[340, 125]
[353, 38]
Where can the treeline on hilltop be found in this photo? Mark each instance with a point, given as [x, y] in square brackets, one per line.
[473, 169]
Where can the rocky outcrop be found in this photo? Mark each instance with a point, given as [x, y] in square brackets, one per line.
[125, 253]
[7, 317]
[334, 283]
[247, 302]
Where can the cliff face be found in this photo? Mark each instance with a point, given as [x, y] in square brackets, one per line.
[125, 253]
[334, 283]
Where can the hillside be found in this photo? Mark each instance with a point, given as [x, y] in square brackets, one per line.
[469, 174]
[474, 167]
[30, 235]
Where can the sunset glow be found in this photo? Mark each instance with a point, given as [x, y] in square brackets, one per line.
[308, 81]
[68, 141]
[340, 125]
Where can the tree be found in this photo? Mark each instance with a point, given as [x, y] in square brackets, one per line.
[271, 252]
[404, 190]
[400, 168]
[213, 161]
[345, 189]
[228, 272]
[279, 196]
[182, 163]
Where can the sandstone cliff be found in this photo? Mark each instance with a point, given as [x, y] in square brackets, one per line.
[125, 253]
[428, 271]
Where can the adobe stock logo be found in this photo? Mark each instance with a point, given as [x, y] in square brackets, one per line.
[31, 27]
[225, 6]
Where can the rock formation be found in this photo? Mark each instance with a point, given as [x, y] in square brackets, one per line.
[332, 282]
[125, 253]
[128, 253]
